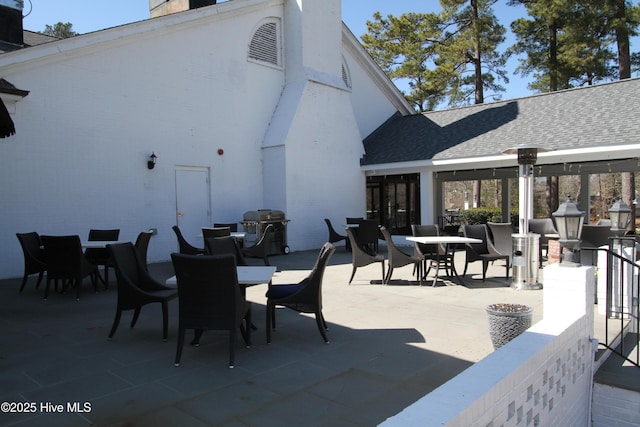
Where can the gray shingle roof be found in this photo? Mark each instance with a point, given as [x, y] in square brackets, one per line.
[32, 38]
[604, 114]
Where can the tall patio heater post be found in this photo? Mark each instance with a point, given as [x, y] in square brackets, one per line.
[524, 244]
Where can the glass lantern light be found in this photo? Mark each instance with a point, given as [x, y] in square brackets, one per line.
[620, 213]
[569, 220]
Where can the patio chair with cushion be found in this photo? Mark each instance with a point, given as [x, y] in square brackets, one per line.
[360, 258]
[66, 262]
[483, 251]
[210, 299]
[136, 288]
[34, 262]
[397, 258]
[303, 297]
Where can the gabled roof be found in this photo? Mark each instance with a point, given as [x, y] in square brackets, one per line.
[32, 38]
[592, 116]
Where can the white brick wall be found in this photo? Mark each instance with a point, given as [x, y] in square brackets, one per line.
[541, 378]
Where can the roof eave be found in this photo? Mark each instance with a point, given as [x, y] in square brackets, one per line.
[500, 160]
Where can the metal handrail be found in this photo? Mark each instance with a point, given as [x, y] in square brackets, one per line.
[625, 318]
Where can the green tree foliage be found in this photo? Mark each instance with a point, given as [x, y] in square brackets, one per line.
[446, 57]
[472, 35]
[569, 43]
[60, 30]
[537, 39]
[622, 20]
[406, 47]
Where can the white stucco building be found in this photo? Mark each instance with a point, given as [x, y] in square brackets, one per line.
[247, 104]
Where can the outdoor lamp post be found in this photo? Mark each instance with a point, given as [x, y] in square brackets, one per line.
[619, 213]
[569, 221]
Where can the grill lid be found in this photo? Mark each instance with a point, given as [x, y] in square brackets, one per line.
[263, 215]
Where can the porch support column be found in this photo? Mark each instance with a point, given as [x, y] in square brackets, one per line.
[506, 200]
[430, 198]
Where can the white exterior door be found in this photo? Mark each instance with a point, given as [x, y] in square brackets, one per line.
[193, 205]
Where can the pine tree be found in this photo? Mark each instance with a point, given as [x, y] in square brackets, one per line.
[405, 48]
[60, 30]
[472, 35]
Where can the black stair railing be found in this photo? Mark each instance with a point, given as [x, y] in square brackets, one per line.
[622, 306]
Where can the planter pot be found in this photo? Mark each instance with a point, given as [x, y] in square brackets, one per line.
[507, 321]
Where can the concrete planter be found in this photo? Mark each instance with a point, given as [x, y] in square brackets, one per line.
[507, 321]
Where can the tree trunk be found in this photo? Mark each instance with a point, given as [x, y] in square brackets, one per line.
[477, 59]
[629, 195]
[622, 40]
[551, 196]
[624, 68]
[476, 193]
[553, 58]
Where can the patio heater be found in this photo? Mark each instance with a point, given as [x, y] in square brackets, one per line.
[524, 257]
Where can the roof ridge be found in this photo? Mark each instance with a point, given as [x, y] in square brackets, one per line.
[535, 95]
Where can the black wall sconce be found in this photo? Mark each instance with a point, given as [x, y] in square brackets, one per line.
[151, 163]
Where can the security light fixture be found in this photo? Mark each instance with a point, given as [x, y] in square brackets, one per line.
[151, 163]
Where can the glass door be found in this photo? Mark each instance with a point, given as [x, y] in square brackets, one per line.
[394, 201]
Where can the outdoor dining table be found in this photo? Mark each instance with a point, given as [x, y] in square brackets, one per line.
[450, 242]
[248, 275]
[100, 244]
[237, 234]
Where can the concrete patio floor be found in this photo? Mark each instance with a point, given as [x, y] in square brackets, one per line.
[389, 346]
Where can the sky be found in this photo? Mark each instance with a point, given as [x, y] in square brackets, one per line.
[92, 15]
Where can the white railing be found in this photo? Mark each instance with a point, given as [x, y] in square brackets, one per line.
[542, 377]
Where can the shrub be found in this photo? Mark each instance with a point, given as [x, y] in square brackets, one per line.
[484, 215]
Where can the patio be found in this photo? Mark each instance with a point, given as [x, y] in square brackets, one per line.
[389, 346]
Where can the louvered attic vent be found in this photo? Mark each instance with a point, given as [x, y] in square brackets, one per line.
[345, 77]
[264, 44]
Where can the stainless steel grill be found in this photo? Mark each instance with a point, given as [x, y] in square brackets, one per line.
[254, 223]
